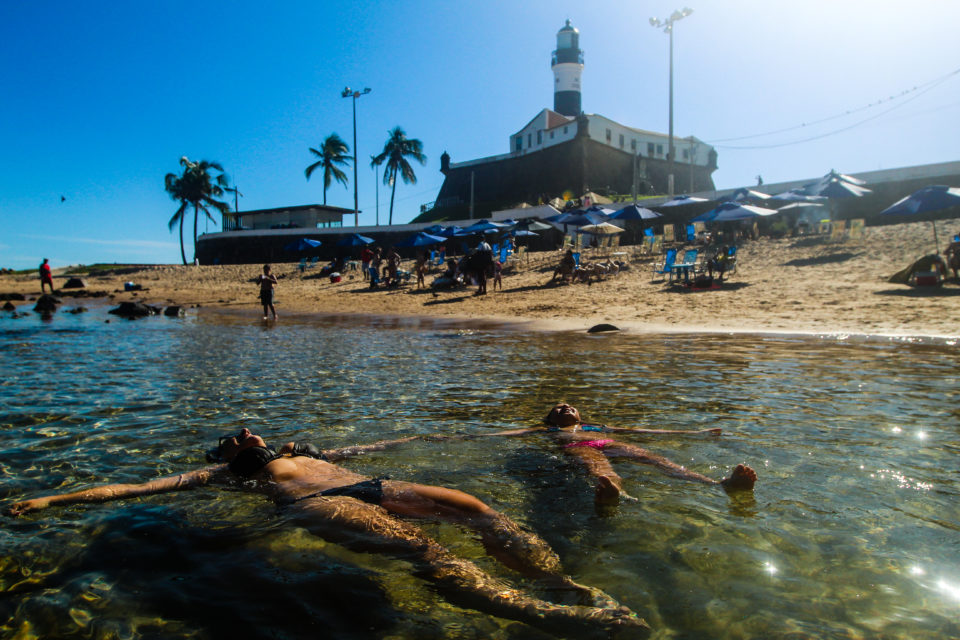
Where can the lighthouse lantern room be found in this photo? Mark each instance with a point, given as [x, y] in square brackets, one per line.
[567, 65]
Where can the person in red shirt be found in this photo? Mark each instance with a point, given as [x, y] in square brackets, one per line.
[365, 257]
[46, 276]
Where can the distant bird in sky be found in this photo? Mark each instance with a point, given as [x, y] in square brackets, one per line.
[63, 198]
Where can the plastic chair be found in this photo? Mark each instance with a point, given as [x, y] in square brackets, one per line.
[666, 266]
[691, 233]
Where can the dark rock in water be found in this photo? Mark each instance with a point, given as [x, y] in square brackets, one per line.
[46, 304]
[9, 306]
[77, 310]
[134, 310]
[12, 296]
[75, 283]
[173, 311]
[600, 328]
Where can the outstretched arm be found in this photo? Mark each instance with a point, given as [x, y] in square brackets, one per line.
[109, 492]
[714, 431]
[335, 455]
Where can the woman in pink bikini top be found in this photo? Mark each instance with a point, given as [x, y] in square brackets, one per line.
[583, 442]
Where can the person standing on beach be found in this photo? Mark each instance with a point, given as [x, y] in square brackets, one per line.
[267, 282]
[46, 276]
[365, 257]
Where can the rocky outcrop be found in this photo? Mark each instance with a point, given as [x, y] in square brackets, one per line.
[174, 311]
[75, 283]
[134, 310]
[12, 296]
[9, 306]
[46, 304]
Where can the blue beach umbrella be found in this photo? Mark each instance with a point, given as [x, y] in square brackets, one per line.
[680, 201]
[746, 195]
[532, 224]
[522, 233]
[481, 227]
[635, 212]
[932, 198]
[303, 244]
[449, 232]
[797, 195]
[433, 229]
[836, 188]
[354, 240]
[731, 211]
[582, 218]
[420, 239]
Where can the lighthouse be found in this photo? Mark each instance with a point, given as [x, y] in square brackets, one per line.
[567, 65]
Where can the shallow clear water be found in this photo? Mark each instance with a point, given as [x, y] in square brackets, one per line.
[853, 530]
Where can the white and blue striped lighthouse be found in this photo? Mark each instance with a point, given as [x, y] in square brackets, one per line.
[567, 64]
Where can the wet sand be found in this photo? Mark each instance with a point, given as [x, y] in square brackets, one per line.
[789, 285]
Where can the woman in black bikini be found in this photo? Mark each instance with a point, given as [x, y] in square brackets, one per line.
[359, 512]
[585, 443]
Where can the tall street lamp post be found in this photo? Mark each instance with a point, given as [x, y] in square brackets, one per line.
[348, 93]
[667, 25]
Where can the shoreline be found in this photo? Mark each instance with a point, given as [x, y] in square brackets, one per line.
[805, 286]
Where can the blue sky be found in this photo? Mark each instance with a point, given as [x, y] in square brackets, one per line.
[100, 100]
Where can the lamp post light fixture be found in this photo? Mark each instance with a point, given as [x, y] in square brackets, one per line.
[349, 93]
[667, 25]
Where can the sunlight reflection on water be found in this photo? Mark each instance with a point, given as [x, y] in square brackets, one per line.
[852, 530]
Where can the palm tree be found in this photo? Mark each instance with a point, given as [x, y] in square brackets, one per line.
[397, 147]
[197, 187]
[332, 153]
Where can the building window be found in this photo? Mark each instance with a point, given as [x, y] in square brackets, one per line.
[633, 145]
[551, 135]
[529, 140]
[519, 143]
[659, 149]
[539, 137]
[609, 135]
[649, 148]
[621, 141]
[686, 154]
[564, 129]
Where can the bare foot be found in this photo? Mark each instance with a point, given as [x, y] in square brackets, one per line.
[742, 479]
[608, 490]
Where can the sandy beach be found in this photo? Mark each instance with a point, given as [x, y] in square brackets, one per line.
[790, 285]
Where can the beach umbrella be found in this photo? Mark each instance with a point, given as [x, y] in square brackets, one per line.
[449, 232]
[836, 175]
[836, 188]
[433, 229]
[532, 224]
[581, 218]
[602, 229]
[303, 244]
[745, 195]
[730, 211]
[521, 233]
[797, 195]
[635, 212]
[932, 198]
[420, 239]
[560, 218]
[509, 222]
[680, 201]
[481, 227]
[354, 240]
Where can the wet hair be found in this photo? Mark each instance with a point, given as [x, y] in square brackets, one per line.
[546, 418]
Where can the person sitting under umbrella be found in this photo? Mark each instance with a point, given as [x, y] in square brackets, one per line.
[585, 444]
[334, 503]
[565, 269]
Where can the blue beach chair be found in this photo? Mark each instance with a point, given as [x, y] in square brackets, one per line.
[665, 267]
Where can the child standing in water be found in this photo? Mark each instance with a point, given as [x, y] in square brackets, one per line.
[267, 282]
